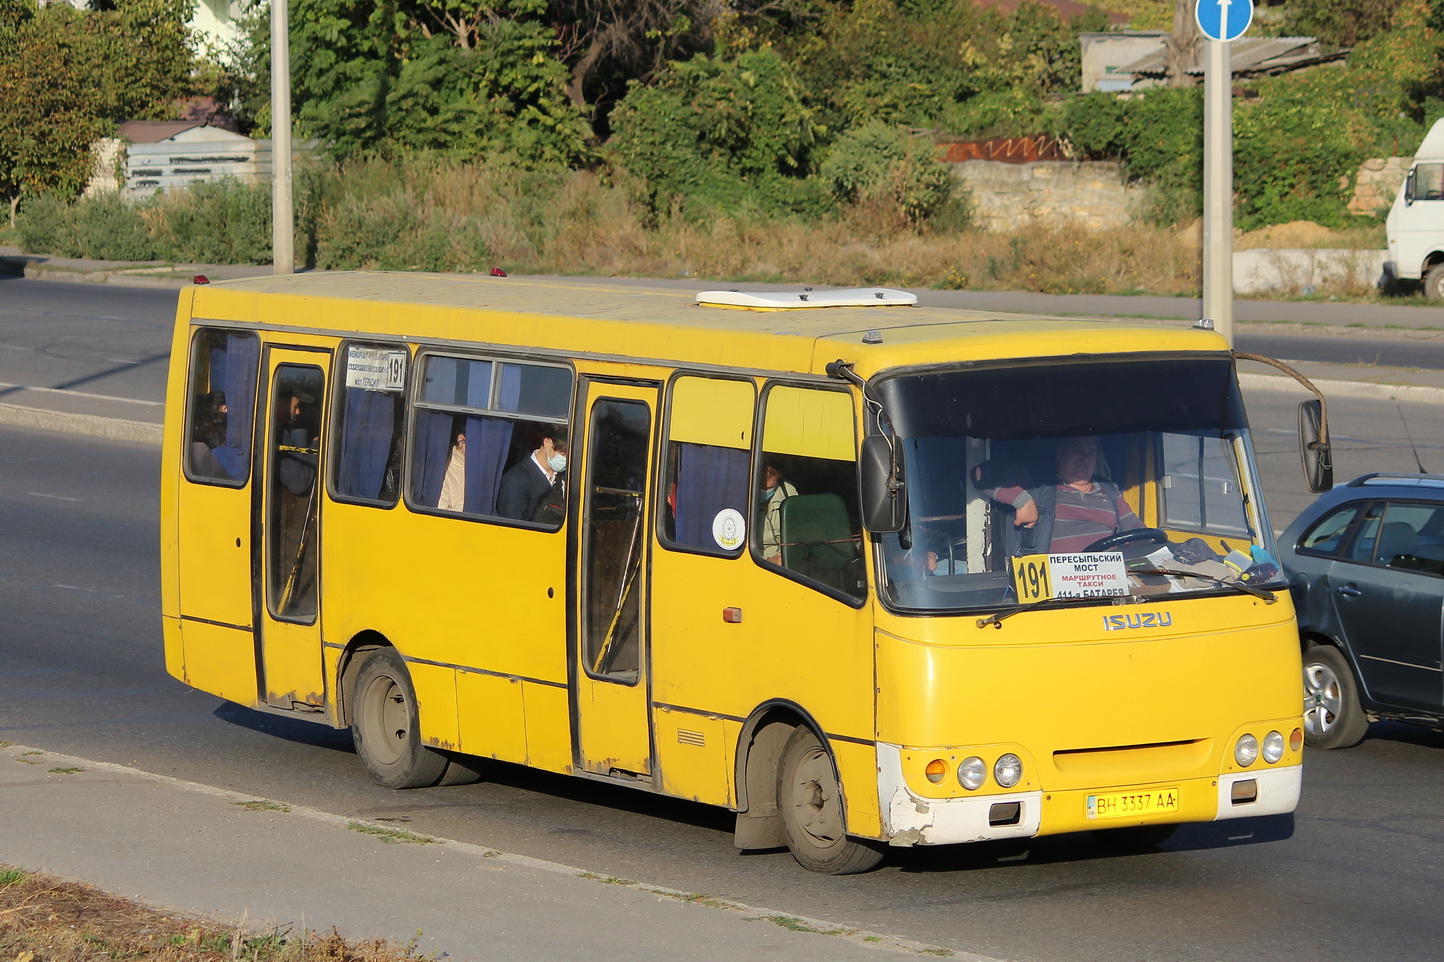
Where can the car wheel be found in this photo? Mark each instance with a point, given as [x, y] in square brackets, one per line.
[1333, 717]
[1434, 283]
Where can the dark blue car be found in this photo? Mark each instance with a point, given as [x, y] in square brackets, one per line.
[1366, 567]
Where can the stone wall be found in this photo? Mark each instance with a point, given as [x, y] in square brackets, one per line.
[1006, 196]
[1377, 183]
[1093, 194]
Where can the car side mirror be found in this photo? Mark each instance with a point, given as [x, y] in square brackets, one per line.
[1315, 452]
[881, 489]
[1409, 188]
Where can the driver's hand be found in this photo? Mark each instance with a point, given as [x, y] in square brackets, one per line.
[1026, 515]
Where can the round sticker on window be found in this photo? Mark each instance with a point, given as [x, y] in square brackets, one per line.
[729, 529]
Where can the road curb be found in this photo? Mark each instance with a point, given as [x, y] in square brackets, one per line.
[115, 429]
[1366, 390]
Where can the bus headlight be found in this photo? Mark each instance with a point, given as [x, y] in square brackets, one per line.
[1245, 752]
[972, 773]
[1273, 747]
[1008, 770]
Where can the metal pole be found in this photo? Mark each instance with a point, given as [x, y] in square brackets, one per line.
[283, 253]
[1218, 188]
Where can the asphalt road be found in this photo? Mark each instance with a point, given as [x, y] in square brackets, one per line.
[1352, 875]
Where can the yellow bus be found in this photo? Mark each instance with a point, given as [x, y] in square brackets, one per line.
[768, 551]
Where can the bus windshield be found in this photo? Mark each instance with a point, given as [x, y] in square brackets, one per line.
[1133, 476]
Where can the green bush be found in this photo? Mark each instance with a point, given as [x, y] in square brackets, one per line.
[220, 222]
[877, 162]
[721, 135]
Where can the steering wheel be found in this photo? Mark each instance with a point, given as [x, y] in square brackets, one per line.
[1149, 535]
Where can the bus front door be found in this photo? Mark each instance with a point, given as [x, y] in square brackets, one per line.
[287, 601]
[613, 735]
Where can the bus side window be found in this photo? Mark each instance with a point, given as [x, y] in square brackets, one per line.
[369, 431]
[475, 419]
[708, 458]
[220, 415]
[806, 517]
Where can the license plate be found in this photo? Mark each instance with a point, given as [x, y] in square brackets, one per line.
[1155, 801]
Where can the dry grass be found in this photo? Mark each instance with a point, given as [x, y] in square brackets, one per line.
[45, 919]
[470, 217]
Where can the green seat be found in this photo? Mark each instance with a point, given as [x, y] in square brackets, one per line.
[818, 541]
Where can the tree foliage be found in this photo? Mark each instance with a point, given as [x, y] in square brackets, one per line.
[459, 78]
[724, 132]
[48, 118]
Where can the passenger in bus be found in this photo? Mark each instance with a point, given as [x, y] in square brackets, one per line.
[1069, 513]
[453, 483]
[208, 435]
[525, 486]
[775, 490]
[296, 460]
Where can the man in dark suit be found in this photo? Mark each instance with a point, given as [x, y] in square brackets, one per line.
[527, 483]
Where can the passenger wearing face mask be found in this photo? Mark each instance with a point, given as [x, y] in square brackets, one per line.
[526, 485]
[775, 490]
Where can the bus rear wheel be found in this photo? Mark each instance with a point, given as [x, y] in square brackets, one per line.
[809, 799]
[386, 727]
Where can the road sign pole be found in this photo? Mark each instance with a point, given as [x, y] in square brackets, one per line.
[1218, 188]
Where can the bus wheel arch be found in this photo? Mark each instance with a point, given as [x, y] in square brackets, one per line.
[385, 721]
[759, 751]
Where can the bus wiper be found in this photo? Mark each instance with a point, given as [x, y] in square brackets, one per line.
[1267, 595]
[998, 617]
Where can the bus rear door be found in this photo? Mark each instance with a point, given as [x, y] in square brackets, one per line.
[610, 677]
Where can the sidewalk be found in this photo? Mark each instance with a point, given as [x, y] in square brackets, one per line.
[259, 862]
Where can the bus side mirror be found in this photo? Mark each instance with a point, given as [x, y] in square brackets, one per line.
[1314, 450]
[882, 492]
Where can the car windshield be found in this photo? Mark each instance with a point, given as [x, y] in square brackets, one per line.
[1120, 476]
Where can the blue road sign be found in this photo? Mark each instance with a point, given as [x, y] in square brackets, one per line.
[1223, 19]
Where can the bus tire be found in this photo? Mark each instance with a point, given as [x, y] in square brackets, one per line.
[385, 725]
[1135, 838]
[809, 800]
[1333, 717]
[463, 769]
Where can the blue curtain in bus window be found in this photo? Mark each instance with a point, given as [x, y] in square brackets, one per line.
[367, 426]
[708, 480]
[487, 442]
[233, 366]
[433, 447]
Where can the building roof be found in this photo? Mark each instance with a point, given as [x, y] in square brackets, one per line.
[1248, 56]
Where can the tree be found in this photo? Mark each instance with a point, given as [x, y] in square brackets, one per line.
[48, 118]
[1183, 44]
[606, 44]
[462, 78]
[727, 133]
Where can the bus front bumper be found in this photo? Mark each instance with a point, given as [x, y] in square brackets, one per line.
[909, 819]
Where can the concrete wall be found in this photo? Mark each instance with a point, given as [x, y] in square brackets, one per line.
[1305, 271]
[1005, 196]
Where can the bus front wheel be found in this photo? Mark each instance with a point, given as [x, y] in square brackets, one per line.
[809, 799]
[386, 727]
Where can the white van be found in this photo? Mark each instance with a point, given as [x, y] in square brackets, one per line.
[1416, 221]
